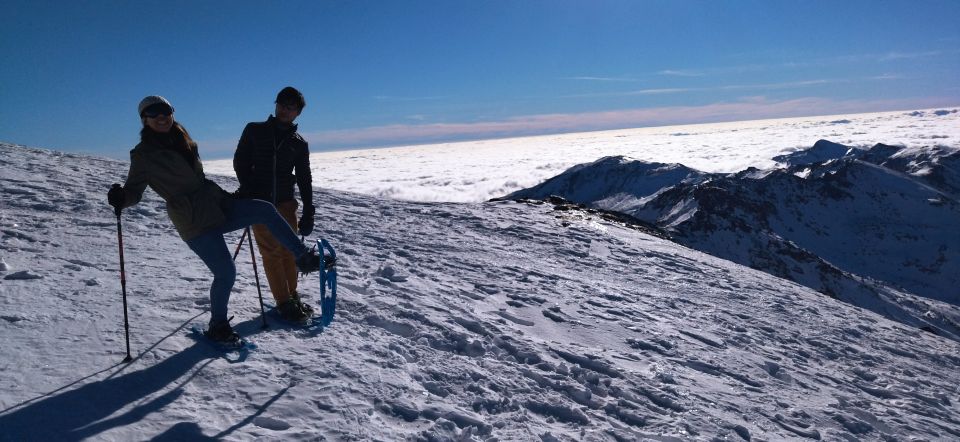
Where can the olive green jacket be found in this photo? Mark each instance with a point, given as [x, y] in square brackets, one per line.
[194, 203]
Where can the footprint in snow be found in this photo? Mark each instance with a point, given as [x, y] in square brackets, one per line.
[271, 423]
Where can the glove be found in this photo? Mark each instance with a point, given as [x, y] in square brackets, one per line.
[116, 197]
[306, 220]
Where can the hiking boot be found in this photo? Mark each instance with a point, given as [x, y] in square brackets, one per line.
[221, 331]
[307, 309]
[291, 311]
[308, 262]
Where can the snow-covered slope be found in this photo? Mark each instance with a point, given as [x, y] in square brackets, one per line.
[487, 321]
[832, 216]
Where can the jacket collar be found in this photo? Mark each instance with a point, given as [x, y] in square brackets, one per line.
[273, 121]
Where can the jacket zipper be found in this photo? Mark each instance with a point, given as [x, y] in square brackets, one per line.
[274, 193]
[276, 148]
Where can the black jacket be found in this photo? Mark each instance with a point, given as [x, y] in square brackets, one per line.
[269, 160]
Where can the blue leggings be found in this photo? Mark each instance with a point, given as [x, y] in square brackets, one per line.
[212, 248]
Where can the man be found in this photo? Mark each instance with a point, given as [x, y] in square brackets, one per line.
[271, 156]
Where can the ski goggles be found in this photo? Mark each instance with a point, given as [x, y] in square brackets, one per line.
[158, 109]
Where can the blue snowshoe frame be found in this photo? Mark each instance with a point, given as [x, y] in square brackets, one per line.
[328, 280]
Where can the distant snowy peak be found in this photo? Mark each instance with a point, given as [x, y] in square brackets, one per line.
[614, 183]
[937, 166]
[821, 151]
[833, 215]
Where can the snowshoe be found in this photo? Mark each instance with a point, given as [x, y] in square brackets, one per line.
[328, 280]
[221, 331]
[221, 336]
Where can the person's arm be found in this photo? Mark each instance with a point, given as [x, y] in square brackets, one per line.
[301, 168]
[243, 159]
[137, 179]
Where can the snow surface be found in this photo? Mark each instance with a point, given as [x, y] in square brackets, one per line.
[480, 170]
[481, 321]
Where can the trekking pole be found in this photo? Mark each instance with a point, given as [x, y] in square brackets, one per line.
[123, 282]
[256, 275]
[240, 244]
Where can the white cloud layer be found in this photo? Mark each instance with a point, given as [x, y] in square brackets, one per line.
[479, 170]
[399, 134]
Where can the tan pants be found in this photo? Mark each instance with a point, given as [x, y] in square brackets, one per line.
[278, 263]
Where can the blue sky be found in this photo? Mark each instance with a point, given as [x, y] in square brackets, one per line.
[381, 73]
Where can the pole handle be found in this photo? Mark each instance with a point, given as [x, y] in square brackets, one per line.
[116, 209]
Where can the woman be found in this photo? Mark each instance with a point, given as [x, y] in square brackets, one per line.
[166, 159]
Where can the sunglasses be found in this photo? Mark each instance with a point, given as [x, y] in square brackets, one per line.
[289, 107]
[154, 112]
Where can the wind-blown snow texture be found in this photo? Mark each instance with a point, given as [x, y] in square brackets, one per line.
[482, 321]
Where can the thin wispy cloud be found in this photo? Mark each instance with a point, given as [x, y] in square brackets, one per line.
[714, 71]
[839, 59]
[611, 79]
[794, 64]
[662, 91]
[666, 91]
[909, 55]
[784, 85]
[681, 73]
[748, 109]
[884, 77]
[659, 91]
[396, 98]
[877, 57]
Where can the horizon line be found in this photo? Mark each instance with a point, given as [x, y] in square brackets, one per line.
[754, 109]
[536, 125]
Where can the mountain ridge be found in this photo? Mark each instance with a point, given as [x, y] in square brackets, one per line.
[830, 218]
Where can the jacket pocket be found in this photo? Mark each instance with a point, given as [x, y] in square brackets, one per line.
[208, 206]
[180, 210]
